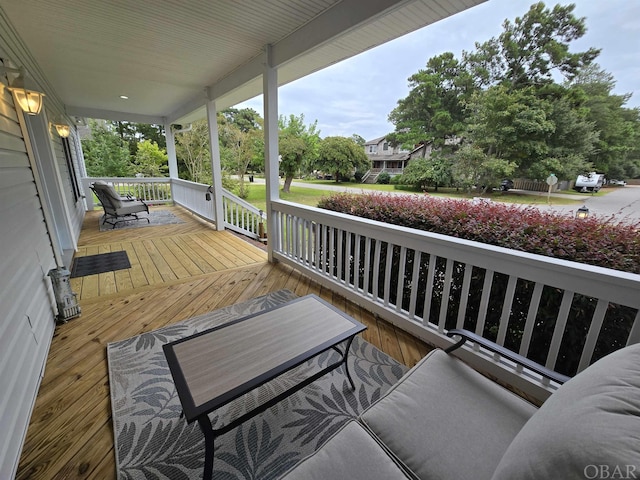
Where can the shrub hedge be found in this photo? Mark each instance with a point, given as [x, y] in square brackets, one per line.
[592, 241]
[589, 241]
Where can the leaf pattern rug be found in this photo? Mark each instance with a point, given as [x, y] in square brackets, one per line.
[152, 441]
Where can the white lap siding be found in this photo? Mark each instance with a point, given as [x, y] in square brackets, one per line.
[26, 301]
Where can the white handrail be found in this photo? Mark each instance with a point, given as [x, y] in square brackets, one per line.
[362, 258]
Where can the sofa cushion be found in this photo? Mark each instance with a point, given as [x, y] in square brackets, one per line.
[588, 427]
[445, 420]
[350, 453]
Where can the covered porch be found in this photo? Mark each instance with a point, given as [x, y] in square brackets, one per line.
[71, 429]
[177, 65]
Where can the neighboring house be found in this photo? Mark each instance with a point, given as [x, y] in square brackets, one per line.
[385, 157]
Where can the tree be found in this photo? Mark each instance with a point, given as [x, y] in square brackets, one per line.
[472, 166]
[531, 49]
[292, 150]
[341, 156]
[434, 108]
[618, 128]
[134, 133]
[151, 160]
[239, 147]
[422, 173]
[298, 146]
[192, 152]
[105, 153]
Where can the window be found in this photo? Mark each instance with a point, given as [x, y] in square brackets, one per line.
[385, 146]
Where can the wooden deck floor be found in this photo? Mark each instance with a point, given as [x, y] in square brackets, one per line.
[71, 435]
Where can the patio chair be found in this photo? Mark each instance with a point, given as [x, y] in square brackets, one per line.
[116, 208]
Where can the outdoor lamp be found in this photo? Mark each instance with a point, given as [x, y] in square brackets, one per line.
[63, 129]
[29, 100]
[583, 212]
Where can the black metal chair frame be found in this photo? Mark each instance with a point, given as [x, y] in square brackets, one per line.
[111, 211]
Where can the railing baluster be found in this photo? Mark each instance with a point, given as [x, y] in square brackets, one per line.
[415, 280]
[376, 269]
[531, 319]
[464, 295]
[446, 291]
[356, 264]
[558, 331]
[484, 302]
[347, 258]
[341, 237]
[401, 274]
[387, 274]
[367, 265]
[426, 314]
[506, 310]
[594, 333]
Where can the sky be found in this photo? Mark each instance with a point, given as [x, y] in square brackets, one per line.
[356, 95]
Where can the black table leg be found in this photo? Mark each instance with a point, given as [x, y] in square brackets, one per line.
[346, 365]
[209, 437]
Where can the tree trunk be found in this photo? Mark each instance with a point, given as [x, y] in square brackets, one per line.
[287, 183]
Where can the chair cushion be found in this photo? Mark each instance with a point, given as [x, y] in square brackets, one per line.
[589, 426]
[350, 453]
[110, 192]
[445, 420]
[127, 208]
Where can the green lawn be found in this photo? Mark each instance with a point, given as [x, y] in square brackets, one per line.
[304, 196]
[311, 196]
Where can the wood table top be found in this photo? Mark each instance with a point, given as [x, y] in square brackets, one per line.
[213, 367]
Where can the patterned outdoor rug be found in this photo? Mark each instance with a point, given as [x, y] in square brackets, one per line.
[156, 217]
[152, 441]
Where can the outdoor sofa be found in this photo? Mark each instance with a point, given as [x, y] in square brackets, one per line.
[444, 420]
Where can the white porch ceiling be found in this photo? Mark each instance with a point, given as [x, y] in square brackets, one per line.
[168, 55]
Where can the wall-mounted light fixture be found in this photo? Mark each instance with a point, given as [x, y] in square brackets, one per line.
[29, 100]
[582, 213]
[63, 129]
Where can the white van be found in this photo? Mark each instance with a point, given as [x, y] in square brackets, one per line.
[591, 182]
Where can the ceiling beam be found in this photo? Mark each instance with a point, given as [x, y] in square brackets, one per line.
[111, 115]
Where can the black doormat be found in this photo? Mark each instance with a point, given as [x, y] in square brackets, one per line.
[104, 262]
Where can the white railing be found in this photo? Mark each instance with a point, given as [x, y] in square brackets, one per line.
[151, 190]
[240, 216]
[193, 196]
[428, 283]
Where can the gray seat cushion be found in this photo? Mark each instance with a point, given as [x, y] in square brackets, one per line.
[589, 427]
[131, 207]
[350, 453]
[445, 420]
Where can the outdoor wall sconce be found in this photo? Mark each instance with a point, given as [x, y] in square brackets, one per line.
[29, 100]
[63, 129]
[582, 213]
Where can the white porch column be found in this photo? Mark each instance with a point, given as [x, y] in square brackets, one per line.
[216, 171]
[171, 154]
[270, 94]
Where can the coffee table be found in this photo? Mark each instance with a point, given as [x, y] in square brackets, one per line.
[216, 366]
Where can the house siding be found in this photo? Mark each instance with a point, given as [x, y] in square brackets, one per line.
[26, 298]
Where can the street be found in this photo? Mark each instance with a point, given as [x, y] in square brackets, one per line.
[621, 203]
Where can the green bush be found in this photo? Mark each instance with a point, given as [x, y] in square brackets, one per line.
[383, 178]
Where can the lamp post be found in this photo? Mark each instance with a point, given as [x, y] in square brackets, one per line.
[582, 213]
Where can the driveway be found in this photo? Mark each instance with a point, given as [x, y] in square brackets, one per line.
[620, 203]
